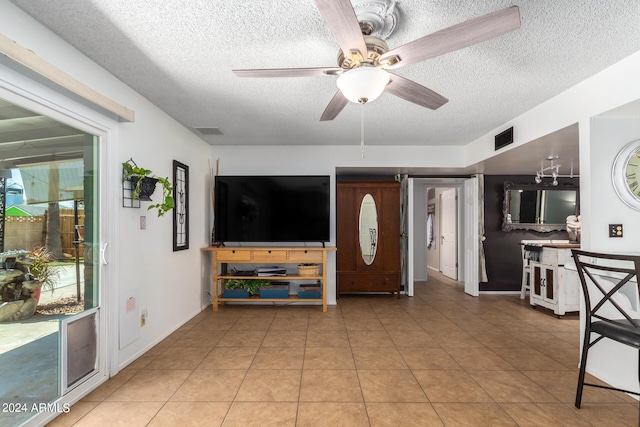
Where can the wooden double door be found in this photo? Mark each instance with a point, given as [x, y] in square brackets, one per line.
[382, 274]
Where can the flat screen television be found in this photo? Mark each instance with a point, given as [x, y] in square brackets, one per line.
[272, 208]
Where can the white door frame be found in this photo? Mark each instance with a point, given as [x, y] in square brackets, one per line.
[410, 245]
[471, 237]
[462, 250]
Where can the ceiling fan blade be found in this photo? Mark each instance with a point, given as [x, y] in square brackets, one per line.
[337, 103]
[289, 72]
[343, 23]
[413, 92]
[456, 37]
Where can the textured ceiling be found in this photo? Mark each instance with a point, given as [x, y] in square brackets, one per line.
[180, 53]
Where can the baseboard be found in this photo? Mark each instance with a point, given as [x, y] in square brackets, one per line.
[500, 292]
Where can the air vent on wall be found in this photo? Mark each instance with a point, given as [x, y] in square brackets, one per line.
[504, 138]
[209, 131]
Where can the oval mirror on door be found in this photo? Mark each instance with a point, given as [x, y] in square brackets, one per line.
[368, 229]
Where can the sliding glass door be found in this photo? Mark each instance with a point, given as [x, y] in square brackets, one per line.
[50, 308]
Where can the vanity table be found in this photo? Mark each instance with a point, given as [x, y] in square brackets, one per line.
[551, 285]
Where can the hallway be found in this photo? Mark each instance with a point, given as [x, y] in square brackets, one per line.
[439, 358]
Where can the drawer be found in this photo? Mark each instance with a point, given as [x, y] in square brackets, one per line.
[350, 282]
[555, 256]
[269, 255]
[234, 255]
[549, 256]
[305, 256]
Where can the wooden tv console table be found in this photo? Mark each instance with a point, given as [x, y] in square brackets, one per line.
[221, 256]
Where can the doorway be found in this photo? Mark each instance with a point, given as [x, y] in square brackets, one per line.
[448, 237]
[441, 230]
[423, 198]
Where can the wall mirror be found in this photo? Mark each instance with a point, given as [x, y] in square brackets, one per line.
[539, 207]
[368, 229]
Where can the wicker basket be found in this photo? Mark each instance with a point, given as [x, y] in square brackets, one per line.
[308, 270]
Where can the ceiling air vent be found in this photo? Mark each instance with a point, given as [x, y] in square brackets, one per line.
[504, 138]
[209, 131]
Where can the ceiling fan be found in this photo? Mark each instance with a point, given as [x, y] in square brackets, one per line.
[364, 59]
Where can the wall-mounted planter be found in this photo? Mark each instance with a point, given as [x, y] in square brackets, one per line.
[140, 183]
[147, 187]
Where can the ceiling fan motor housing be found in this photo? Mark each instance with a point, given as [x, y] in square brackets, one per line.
[375, 49]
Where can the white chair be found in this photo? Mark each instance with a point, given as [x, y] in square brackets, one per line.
[526, 276]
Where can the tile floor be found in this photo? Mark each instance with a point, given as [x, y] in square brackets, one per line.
[439, 358]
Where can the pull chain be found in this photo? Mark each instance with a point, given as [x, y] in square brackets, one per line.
[362, 130]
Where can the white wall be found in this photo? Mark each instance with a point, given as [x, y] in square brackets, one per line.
[608, 136]
[301, 159]
[170, 284]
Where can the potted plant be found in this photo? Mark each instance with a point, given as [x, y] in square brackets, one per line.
[242, 288]
[40, 273]
[144, 184]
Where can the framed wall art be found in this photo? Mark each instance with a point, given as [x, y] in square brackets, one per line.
[181, 210]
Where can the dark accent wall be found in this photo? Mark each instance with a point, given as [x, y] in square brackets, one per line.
[502, 248]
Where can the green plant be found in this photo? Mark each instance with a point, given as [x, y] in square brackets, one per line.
[40, 268]
[134, 173]
[250, 285]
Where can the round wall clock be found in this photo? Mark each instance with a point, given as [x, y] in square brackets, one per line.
[626, 174]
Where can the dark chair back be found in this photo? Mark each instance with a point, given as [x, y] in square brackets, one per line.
[612, 305]
[613, 296]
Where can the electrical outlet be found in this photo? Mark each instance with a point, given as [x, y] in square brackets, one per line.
[615, 230]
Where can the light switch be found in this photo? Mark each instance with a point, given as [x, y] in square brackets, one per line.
[143, 222]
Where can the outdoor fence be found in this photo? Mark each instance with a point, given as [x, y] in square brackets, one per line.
[26, 232]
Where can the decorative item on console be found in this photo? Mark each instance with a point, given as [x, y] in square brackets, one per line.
[308, 269]
[532, 252]
[573, 228]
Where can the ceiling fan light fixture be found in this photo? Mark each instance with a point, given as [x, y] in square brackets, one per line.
[363, 84]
